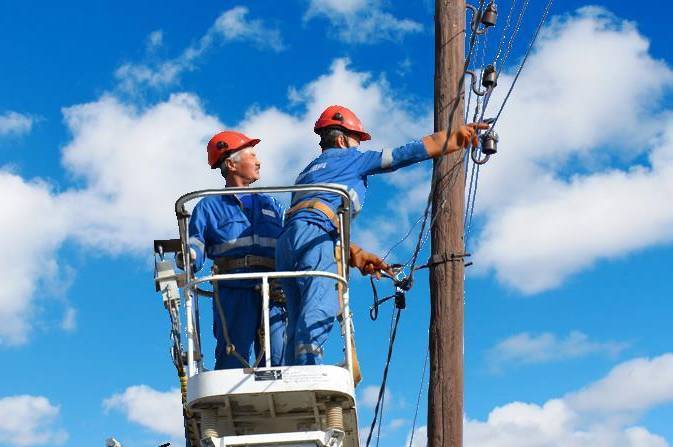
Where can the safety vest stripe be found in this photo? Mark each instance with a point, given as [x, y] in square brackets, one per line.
[247, 241]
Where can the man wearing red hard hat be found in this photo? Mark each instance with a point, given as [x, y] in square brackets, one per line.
[238, 233]
[310, 235]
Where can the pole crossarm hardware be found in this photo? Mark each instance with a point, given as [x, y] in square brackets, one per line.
[487, 18]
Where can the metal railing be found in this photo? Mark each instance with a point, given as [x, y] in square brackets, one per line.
[191, 291]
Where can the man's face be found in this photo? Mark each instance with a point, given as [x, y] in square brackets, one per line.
[248, 165]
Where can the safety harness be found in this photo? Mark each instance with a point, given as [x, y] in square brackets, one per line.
[225, 264]
[316, 206]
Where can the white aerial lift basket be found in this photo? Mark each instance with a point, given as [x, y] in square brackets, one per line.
[260, 406]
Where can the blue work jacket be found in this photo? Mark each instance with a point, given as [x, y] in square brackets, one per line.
[350, 168]
[234, 226]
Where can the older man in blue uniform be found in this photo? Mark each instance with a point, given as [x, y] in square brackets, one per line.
[238, 233]
[310, 234]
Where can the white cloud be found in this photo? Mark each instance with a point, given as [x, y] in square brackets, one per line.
[14, 123]
[420, 437]
[32, 228]
[135, 163]
[631, 386]
[554, 423]
[369, 395]
[397, 423]
[547, 347]
[160, 412]
[586, 417]
[360, 21]
[69, 321]
[154, 40]
[30, 420]
[232, 25]
[542, 225]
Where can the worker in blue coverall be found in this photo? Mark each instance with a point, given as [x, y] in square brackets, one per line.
[239, 233]
[310, 234]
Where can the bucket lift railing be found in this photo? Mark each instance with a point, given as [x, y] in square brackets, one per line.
[191, 283]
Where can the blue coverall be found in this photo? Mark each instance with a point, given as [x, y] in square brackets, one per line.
[234, 226]
[309, 238]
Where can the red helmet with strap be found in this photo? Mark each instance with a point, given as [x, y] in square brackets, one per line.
[226, 142]
[340, 116]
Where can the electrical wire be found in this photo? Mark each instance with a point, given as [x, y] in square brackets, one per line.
[418, 398]
[543, 19]
[382, 389]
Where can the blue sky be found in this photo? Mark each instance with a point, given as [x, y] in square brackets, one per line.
[105, 109]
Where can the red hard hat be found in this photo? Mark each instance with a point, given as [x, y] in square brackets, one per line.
[340, 116]
[225, 142]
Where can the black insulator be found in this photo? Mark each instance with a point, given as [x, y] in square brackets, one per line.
[489, 77]
[490, 16]
[489, 143]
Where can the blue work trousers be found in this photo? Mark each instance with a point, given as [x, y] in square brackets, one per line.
[242, 309]
[312, 302]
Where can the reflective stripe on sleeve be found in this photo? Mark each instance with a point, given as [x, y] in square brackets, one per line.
[386, 158]
[196, 242]
[355, 199]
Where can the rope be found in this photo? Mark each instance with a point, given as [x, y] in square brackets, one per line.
[525, 58]
[231, 349]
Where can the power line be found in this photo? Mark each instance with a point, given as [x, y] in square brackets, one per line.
[525, 58]
[418, 398]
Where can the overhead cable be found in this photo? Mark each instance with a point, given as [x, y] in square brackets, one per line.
[525, 58]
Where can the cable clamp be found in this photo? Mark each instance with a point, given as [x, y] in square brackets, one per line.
[444, 258]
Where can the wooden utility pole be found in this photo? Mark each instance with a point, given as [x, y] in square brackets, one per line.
[445, 393]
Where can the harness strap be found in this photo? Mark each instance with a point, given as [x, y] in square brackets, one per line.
[316, 206]
[225, 264]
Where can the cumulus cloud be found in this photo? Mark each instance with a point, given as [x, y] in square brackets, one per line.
[154, 40]
[544, 223]
[584, 417]
[554, 423]
[233, 25]
[526, 348]
[132, 162]
[420, 437]
[31, 230]
[30, 420]
[369, 395]
[160, 412]
[69, 321]
[360, 21]
[14, 123]
[635, 385]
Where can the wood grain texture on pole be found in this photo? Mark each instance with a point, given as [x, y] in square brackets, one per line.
[445, 393]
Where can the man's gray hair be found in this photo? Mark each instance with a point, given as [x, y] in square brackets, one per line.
[234, 157]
